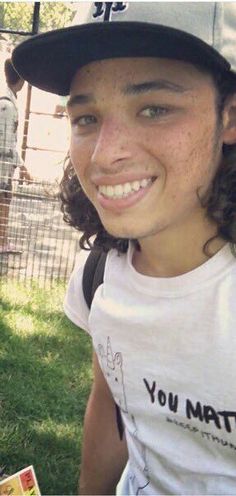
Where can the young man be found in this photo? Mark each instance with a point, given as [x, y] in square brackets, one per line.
[152, 176]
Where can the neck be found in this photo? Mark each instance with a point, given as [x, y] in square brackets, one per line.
[178, 250]
[13, 88]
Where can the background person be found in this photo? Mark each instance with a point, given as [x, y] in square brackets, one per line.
[153, 176]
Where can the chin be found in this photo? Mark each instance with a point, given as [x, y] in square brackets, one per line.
[130, 226]
[119, 232]
[125, 232]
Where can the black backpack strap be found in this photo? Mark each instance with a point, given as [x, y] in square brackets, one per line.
[93, 274]
[92, 278]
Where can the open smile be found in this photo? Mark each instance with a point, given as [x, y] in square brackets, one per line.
[124, 190]
[120, 196]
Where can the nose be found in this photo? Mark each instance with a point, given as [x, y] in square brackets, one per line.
[112, 146]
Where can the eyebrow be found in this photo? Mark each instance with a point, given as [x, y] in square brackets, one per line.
[156, 85]
[132, 89]
[80, 99]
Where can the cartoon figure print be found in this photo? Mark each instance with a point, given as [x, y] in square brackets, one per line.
[139, 484]
[112, 367]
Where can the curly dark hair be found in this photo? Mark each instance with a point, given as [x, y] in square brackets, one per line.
[219, 202]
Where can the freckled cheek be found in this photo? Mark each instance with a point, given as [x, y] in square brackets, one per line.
[184, 152]
[171, 150]
[80, 155]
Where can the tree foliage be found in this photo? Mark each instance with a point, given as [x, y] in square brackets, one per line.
[54, 15]
[18, 16]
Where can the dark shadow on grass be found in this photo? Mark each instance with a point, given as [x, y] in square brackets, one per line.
[44, 385]
[5, 306]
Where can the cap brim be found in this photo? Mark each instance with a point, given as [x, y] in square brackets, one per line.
[49, 61]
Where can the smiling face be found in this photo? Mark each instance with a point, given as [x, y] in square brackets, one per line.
[145, 139]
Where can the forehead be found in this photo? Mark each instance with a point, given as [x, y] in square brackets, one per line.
[120, 71]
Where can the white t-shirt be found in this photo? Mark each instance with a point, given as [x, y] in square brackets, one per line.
[167, 347]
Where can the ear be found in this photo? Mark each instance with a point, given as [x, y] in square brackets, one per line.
[229, 121]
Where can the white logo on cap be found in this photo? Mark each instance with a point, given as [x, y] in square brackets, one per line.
[106, 9]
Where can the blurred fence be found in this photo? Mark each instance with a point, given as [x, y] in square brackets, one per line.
[46, 247]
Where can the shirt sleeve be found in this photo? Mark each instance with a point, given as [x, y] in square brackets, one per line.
[75, 306]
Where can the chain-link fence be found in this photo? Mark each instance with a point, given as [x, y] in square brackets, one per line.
[35, 242]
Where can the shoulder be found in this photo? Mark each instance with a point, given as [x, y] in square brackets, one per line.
[75, 306]
[5, 100]
[6, 106]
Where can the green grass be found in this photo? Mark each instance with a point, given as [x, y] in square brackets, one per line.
[45, 377]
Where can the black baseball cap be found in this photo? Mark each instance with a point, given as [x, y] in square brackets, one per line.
[202, 33]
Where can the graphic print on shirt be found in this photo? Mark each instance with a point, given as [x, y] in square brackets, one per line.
[112, 367]
[139, 484]
[193, 415]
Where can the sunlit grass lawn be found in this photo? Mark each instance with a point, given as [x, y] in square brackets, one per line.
[45, 376]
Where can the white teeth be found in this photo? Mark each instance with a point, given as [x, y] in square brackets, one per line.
[123, 190]
[135, 185]
[126, 188]
[118, 190]
[110, 191]
[144, 182]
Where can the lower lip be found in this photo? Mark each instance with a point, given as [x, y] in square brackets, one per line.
[123, 203]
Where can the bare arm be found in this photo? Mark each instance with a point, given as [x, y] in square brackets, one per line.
[104, 455]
